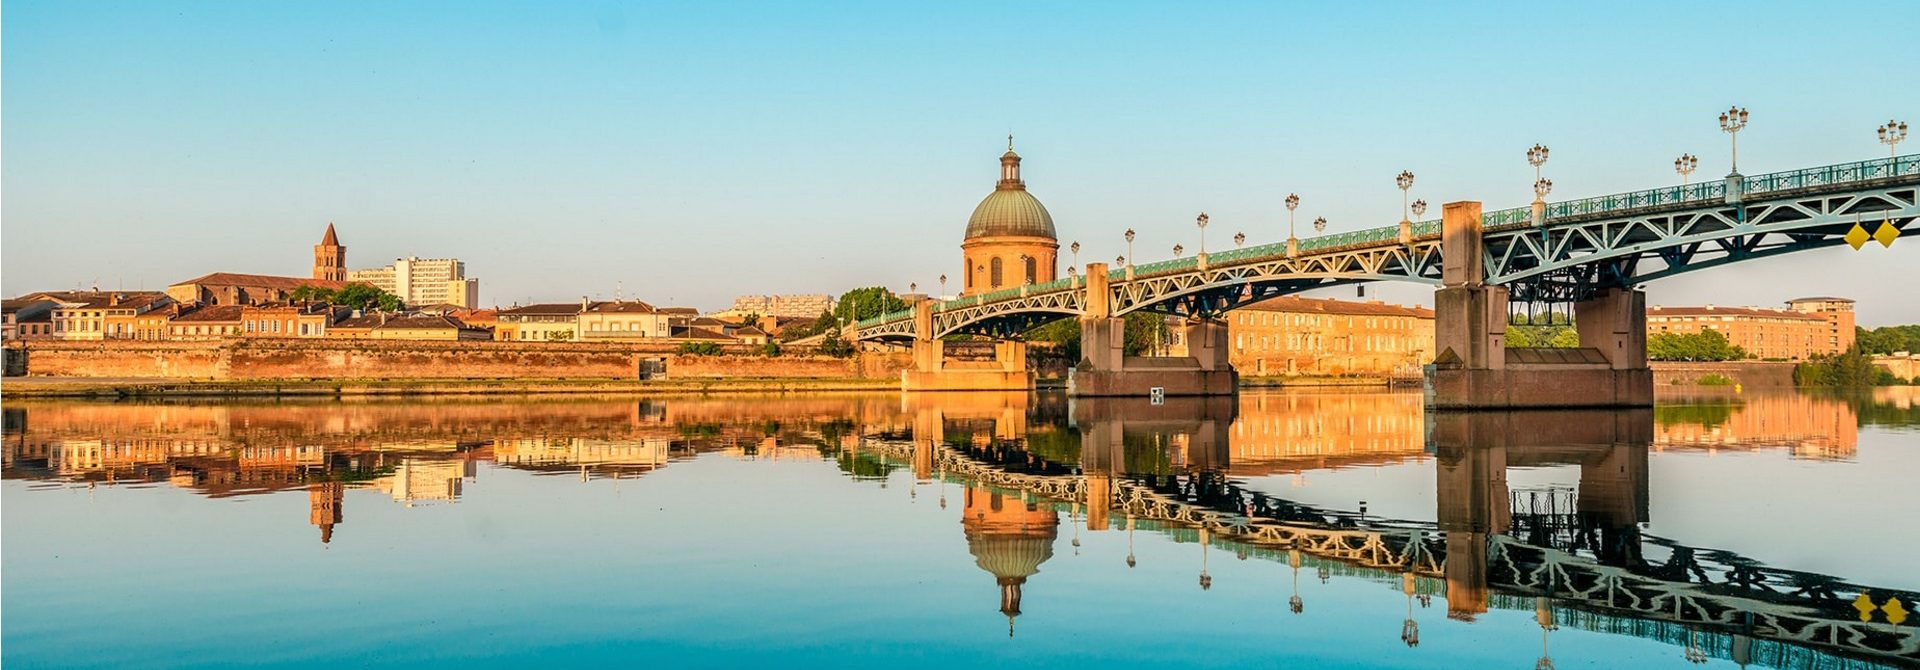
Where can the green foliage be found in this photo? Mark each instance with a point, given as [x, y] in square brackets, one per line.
[1710, 414]
[1543, 331]
[1706, 345]
[819, 325]
[698, 349]
[770, 349]
[1714, 380]
[836, 346]
[1063, 334]
[1144, 330]
[560, 335]
[866, 303]
[1853, 369]
[1888, 339]
[356, 296]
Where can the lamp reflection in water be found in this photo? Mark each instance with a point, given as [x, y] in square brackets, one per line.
[1410, 629]
[1130, 561]
[1543, 614]
[1206, 538]
[1295, 603]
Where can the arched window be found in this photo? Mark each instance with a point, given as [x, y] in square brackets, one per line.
[995, 273]
[1032, 268]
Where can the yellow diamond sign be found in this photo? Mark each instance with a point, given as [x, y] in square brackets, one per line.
[1857, 237]
[1864, 603]
[1896, 614]
[1886, 233]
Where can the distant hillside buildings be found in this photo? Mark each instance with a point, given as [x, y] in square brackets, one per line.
[805, 305]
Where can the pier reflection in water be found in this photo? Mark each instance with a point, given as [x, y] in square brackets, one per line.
[1577, 553]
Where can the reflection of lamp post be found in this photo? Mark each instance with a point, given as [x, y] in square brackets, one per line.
[1732, 122]
[1130, 561]
[1410, 629]
[1892, 135]
[1295, 603]
[1543, 615]
[1685, 165]
[1206, 580]
[941, 475]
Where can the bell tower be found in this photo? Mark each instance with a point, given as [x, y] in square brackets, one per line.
[330, 258]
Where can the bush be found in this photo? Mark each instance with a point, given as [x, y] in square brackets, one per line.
[1714, 380]
[699, 349]
[770, 349]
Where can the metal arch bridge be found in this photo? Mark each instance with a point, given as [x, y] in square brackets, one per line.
[1580, 247]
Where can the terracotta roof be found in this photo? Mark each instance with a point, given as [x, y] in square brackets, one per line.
[212, 313]
[1289, 303]
[689, 311]
[330, 240]
[545, 309]
[17, 304]
[362, 321]
[701, 334]
[1820, 299]
[1752, 312]
[423, 321]
[622, 307]
[748, 330]
[261, 281]
[116, 300]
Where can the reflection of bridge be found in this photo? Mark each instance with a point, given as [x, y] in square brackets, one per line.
[1590, 253]
[1580, 548]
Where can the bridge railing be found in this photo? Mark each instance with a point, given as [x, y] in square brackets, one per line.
[1844, 173]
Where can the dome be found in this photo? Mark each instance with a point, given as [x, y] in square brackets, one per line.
[1010, 209]
[1010, 212]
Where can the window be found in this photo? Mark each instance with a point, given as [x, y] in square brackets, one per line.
[1033, 270]
[994, 274]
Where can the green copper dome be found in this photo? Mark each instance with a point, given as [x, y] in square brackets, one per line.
[1010, 209]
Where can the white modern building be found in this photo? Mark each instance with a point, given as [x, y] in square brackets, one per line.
[424, 281]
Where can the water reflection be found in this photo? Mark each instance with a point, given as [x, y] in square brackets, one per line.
[1573, 555]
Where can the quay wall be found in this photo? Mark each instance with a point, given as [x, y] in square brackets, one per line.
[262, 359]
[1744, 373]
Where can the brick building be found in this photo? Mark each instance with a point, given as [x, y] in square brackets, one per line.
[1292, 335]
[1808, 327]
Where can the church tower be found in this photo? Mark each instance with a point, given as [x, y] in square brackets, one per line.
[329, 258]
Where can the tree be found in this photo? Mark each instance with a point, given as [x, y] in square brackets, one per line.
[1706, 345]
[1888, 339]
[356, 296]
[1853, 369]
[836, 346]
[866, 303]
[1552, 330]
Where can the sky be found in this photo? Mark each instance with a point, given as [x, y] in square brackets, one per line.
[686, 153]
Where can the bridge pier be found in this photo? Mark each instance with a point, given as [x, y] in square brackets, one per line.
[933, 372]
[1473, 368]
[1105, 370]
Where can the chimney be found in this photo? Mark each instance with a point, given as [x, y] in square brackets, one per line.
[1709, 307]
[383, 318]
[583, 303]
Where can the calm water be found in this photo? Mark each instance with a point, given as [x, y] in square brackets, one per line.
[1322, 529]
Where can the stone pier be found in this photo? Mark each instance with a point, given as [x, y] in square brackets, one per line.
[933, 372]
[1105, 370]
[1474, 369]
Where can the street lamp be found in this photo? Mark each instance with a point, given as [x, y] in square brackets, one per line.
[1129, 243]
[1685, 165]
[1537, 156]
[1320, 225]
[1732, 121]
[1892, 135]
[1541, 189]
[1202, 222]
[1293, 203]
[1075, 248]
[913, 287]
[1177, 249]
[1404, 181]
[1419, 208]
[1239, 239]
[943, 287]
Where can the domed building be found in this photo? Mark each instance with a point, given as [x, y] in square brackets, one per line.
[1008, 538]
[1010, 238]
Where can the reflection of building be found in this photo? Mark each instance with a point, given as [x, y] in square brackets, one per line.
[415, 479]
[1291, 335]
[424, 281]
[1010, 237]
[324, 502]
[1808, 327]
[1810, 426]
[1010, 538]
[1295, 432]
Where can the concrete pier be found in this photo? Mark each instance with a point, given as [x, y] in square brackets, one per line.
[933, 372]
[1106, 371]
[1474, 369]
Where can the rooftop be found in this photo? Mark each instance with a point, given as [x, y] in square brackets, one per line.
[262, 281]
[1711, 310]
[212, 313]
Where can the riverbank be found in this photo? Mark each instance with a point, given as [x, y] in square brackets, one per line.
[106, 388]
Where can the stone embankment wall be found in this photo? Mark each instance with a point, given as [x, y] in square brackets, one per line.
[1744, 373]
[367, 359]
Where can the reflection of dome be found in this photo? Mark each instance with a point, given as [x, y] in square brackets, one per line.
[1009, 539]
[1010, 209]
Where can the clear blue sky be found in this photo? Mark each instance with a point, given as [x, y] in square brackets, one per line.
[694, 151]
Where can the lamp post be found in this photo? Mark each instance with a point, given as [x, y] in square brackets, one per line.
[1129, 243]
[1075, 248]
[1537, 156]
[1177, 249]
[1202, 222]
[1685, 165]
[1732, 122]
[1320, 224]
[1892, 135]
[1239, 239]
[1404, 181]
[1293, 243]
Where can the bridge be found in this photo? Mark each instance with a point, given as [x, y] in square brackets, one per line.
[1574, 555]
[1591, 253]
